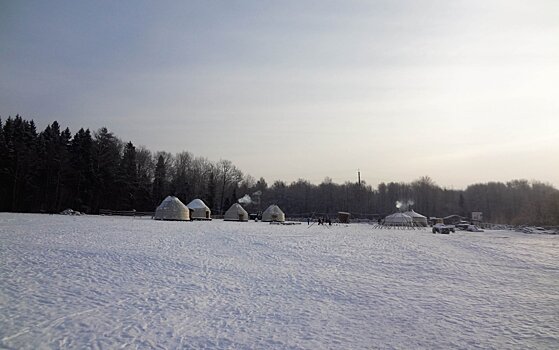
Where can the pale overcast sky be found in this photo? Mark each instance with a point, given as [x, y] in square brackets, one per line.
[461, 91]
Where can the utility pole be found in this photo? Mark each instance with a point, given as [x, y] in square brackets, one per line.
[360, 208]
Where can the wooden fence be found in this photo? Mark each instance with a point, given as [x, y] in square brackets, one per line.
[125, 212]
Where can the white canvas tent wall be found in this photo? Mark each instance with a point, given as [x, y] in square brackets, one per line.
[171, 208]
[418, 219]
[273, 213]
[236, 213]
[398, 219]
[199, 210]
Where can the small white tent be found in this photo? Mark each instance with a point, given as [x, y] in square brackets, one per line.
[236, 213]
[273, 213]
[172, 209]
[418, 219]
[398, 219]
[199, 210]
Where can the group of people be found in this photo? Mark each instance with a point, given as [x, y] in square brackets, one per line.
[321, 221]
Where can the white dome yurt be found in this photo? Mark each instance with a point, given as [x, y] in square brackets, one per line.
[172, 209]
[236, 213]
[273, 213]
[418, 219]
[199, 210]
[398, 219]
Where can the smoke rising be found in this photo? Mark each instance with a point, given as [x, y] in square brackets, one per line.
[245, 199]
[405, 205]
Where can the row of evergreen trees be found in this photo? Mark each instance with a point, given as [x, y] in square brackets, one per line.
[52, 170]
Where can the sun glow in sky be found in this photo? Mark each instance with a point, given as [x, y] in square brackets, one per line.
[461, 91]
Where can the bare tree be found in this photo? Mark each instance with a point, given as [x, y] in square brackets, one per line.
[229, 176]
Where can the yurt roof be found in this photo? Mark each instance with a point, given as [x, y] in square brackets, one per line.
[274, 209]
[414, 214]
[168, 200]
[237, 207]
[197, 204]
[400, 216]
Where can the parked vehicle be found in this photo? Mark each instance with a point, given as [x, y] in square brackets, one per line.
[444, 229]
[474, 228]
[463, 225]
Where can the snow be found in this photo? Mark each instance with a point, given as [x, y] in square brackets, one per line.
[108, 282]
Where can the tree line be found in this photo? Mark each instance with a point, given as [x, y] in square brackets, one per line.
[51, 170]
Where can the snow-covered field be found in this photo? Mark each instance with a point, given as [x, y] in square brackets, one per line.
[112, 282]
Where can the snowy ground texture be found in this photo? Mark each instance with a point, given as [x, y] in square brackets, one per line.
[111, 282]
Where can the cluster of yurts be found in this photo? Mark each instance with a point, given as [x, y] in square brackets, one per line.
[173, 209]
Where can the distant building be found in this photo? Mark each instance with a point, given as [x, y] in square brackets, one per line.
[343, 217]
[453, 219]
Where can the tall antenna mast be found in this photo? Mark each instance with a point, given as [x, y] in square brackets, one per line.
[359, 177]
